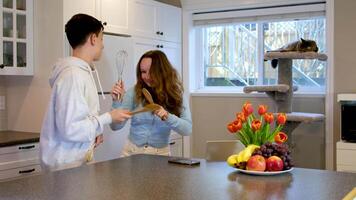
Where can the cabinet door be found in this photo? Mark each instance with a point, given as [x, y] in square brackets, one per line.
[171, 49]
[71, 8]
[16, 37]
[174, 54]
[170, 23]
[176, 147]
[115, 14]
[144, 23]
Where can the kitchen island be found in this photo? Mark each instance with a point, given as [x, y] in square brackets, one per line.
[152, 177]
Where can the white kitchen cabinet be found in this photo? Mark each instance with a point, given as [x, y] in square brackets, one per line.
[19, 160]
[156, 20]
[345, 157]
[16, 37]
[71, 8]
[115, 15]
[176, 144]
[171, 49]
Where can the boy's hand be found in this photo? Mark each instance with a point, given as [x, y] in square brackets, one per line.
[118, 90]
[119, 115]
[98, 140]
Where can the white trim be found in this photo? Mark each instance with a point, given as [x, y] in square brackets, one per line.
[255, 13]
[199, 70]
[329, 100]
[250, 95]
[346, 97]
[208, 5]
[188, 51]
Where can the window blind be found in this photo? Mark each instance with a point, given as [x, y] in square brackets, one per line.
[272, 13]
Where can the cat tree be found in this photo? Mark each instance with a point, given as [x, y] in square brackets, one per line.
[282, 93]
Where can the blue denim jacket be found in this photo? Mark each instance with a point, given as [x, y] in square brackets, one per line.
[147, 128]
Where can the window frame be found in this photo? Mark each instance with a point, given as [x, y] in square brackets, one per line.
[198, 83]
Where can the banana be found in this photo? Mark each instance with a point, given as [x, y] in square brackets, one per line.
[232, 160]
[245, 154]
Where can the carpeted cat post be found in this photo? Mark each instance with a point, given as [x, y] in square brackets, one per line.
[282, 93]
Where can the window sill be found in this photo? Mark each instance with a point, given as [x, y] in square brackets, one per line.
[237, 93]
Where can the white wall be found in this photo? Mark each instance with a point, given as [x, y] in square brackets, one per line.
[27, 97]
[211, 113]
[3, 115]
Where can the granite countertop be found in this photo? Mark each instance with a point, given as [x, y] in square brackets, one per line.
[152, 177]
[10, 138]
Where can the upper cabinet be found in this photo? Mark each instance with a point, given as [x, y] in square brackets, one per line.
[171, 49]
[71, 8]
[156, 20]
[115, 15]
[16, 37]
[142, 18]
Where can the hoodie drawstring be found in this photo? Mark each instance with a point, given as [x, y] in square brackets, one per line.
[101, 88]
[92, 78]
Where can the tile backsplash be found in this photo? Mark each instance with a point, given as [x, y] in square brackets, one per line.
[3, 115]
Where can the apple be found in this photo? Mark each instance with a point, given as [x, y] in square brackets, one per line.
[256, 163]
[274, 163]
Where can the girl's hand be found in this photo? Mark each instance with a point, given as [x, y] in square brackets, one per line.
[118, 90]
[161, 113]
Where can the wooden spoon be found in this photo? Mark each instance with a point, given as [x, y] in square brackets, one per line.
[147, 108]
[147, 95]
[149, 98]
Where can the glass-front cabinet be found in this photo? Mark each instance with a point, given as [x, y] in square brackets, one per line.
[16, 37]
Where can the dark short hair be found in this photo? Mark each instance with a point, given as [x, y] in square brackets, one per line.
[80, 27]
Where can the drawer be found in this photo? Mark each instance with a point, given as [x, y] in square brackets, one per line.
[20, 148]
[20, 172]
[346, 157]
[19, 159]
[176, 147]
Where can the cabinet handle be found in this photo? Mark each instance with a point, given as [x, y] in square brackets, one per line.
[161, 33]
[2, 66]
[157, 46]
[27, 147]
[105, 23]
[172, 143]
[158, 32]
[27, 171]
[161, 46]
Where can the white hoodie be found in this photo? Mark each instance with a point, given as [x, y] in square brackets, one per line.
[72, 121]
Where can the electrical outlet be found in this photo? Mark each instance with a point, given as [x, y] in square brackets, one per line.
[2, 102]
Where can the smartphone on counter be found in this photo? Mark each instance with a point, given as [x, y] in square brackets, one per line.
[184, 161]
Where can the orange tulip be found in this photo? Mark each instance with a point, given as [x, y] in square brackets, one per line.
[240, 116]
[268, 117]
[280, 137]
[281, 118]
[256, 124]
[247, 109]
[237, 125]
[262, 109]
[230, 128]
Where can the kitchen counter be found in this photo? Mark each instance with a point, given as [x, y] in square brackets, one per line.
[152, 177]
[9, 138]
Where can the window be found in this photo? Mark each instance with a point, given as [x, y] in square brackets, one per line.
[232, 53]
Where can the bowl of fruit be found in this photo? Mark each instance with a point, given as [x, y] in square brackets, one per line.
[265, 152]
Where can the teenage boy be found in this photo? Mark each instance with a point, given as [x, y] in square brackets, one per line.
[72, 126]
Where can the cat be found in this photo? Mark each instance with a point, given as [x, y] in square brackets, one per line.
[301, 45]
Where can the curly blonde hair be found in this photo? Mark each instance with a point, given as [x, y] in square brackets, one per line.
[166, 87]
